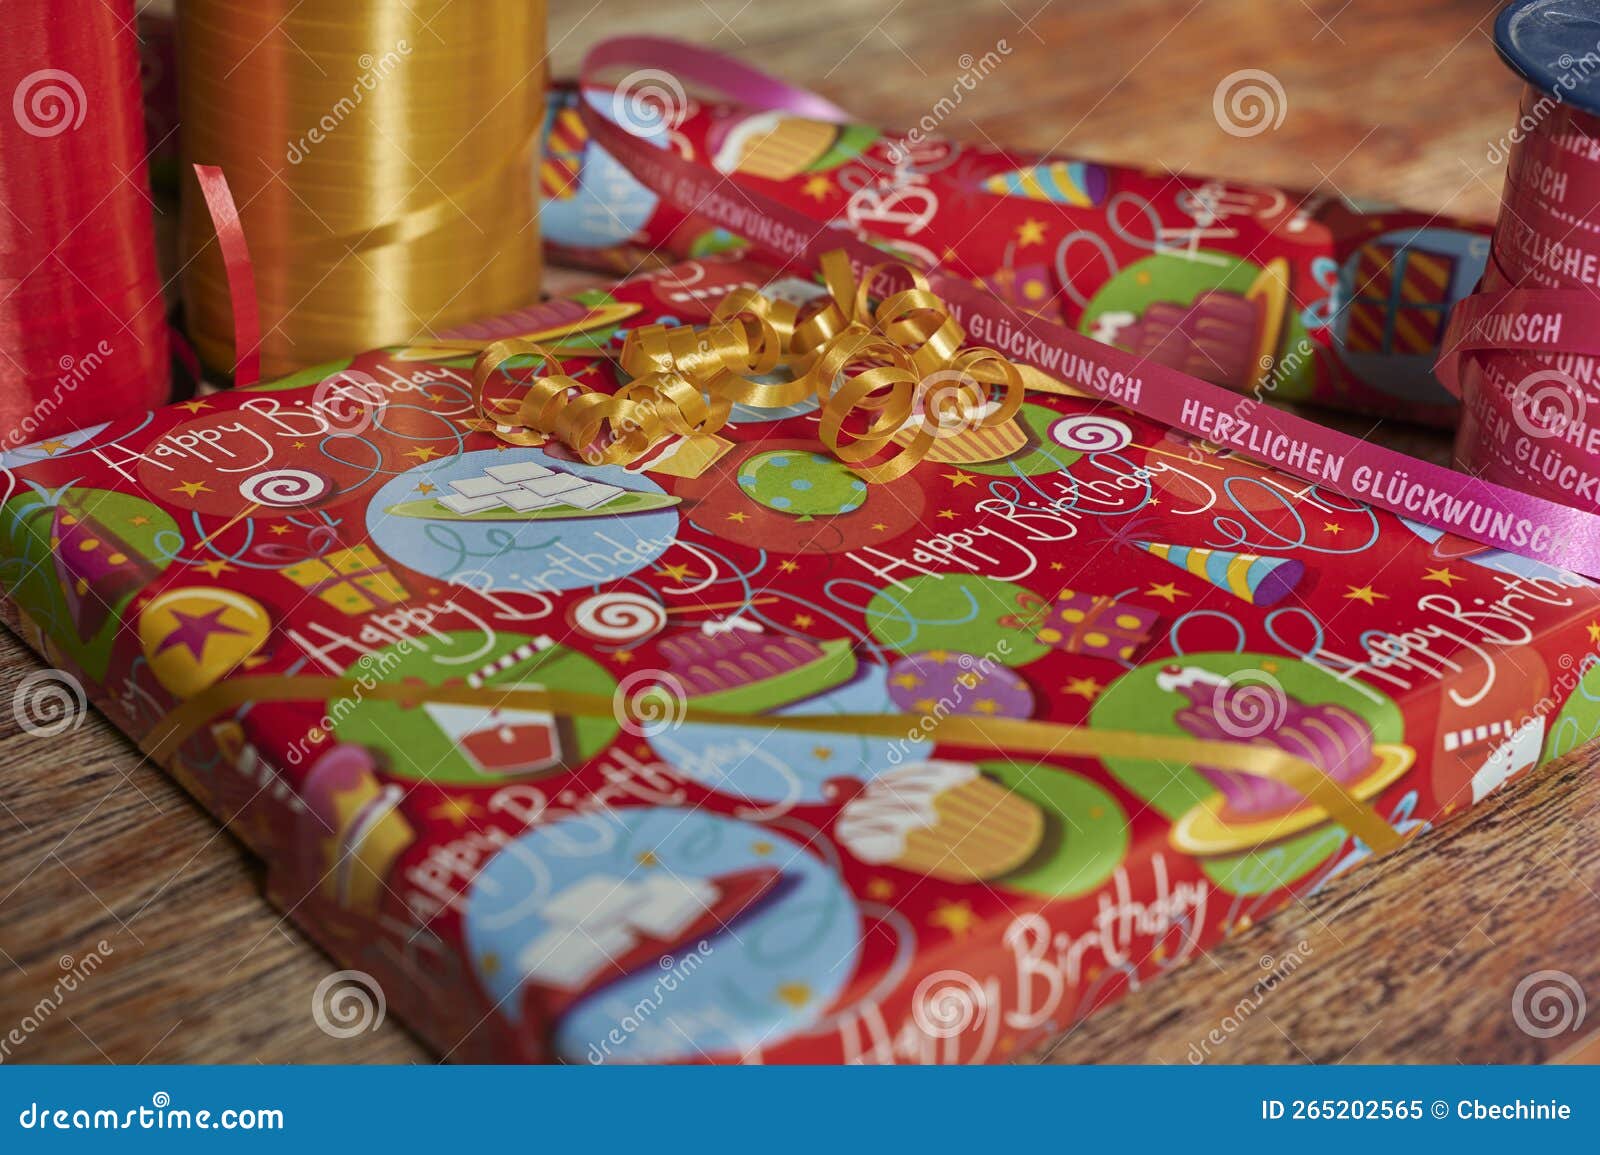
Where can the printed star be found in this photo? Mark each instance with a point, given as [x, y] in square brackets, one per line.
[139, 519]
[194, 406]
[678, 573]
[955, 917]
[1332, 527]
[1030, 232]
[1594, 632]
[802, 621]
[1057, 565]
[194, 630]
[279, 529]
[1444, 577]
[191, 488]
[1364, 594]
[458, 811]
[489, 964]
[925, 705]
[938, 657]
[622, 657]
[958, 479]
[648, 858]
[423, 453]
[50, 447]
[298, 445]
[818, 187]
[216, 568]
[739, 516]
[788, 566]
[1086, 688]
[986, 706]
[822, 753]
[761, 848]
[879, 526]
[1167, 591]
[907, 681]
[794, 994]
[426, 488]
[880, 889]
[948, 514]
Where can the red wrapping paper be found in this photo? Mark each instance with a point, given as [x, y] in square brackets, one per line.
[526, 886]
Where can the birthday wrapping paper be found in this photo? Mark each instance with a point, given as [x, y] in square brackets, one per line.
[637, 885]
[1297, 296]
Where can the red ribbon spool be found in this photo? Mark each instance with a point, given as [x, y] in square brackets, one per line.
[83, 334]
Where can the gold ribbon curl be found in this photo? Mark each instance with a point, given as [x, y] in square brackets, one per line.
[876, 371]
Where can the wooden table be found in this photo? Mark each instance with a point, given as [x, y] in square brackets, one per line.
[1413, 960]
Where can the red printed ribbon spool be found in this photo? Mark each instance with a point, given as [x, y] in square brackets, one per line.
[1531, 394]
[1522, 352]
[82, 323]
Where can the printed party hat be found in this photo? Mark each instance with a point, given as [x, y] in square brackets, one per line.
[1261, 581]
[1059, 182]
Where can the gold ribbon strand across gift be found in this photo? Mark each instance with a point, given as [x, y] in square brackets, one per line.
[1013, 737]
[902, 365]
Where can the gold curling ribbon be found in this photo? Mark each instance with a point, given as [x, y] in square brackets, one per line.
[1008, 736]
[874, 371]
[383, 154]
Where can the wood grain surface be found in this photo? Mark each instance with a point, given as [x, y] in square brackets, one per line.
[1414, 960]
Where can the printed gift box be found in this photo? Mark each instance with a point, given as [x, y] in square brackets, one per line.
[705, 758]
[1289, 295]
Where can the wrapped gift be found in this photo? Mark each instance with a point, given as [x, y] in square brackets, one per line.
[724, 753]
[1279, 294]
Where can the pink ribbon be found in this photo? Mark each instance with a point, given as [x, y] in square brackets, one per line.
[1493, 515]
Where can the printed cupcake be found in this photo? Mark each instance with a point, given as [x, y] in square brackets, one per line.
[1250, 810]
[941, 819]
[351, 830]
[774, 146]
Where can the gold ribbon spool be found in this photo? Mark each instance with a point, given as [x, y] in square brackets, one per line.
[383, 156]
